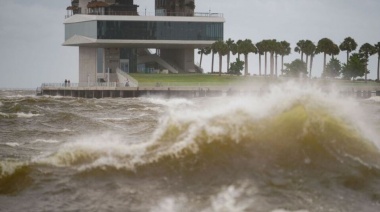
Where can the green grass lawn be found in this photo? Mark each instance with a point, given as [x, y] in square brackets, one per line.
[194, 79]
[216, 80]
[212, 78]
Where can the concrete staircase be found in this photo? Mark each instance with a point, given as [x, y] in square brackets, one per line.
[124, 77]
[159, 60]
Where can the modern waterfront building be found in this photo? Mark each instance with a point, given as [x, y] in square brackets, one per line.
[113, 38]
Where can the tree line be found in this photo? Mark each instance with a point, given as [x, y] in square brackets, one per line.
[355, 66]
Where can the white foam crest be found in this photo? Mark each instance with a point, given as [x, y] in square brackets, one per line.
[18, 96]
[9, 167]
[67, 130]
[283, 210]
[49, 141]
[97, 151]
[113, 119]
[12, 144]
[4, 115]
[26, 115]
[232, 198]
[171, 204]
[177, 102]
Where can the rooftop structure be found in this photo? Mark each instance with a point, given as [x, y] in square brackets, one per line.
[114, 39]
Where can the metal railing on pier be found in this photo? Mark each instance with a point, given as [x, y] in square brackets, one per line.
[79, 85]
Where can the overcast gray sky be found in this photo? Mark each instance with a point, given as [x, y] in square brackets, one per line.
[32, 32]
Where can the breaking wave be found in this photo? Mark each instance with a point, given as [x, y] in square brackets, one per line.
[14, 177]
[290, 132]
[290, 128]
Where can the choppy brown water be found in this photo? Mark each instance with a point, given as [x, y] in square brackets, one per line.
[294, 149]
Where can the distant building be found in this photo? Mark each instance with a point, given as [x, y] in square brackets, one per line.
[113, 37]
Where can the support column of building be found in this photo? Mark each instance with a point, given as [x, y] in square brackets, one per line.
[87, 65]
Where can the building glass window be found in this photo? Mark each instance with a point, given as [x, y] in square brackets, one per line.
[150, 30]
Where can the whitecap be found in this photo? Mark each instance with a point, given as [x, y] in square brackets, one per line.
[171, 204]
[112, 119]
[50, 141]
[170, 102]
[157, 109]
[12, 144]
[67, 130]
[232, 198]
[26, 115]
[4, 114]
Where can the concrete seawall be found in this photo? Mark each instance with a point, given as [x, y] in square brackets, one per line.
[165, 92]
[176, 92]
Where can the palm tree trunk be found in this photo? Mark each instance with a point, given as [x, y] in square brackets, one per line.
[259, 64]
[228, 62]
[366, 70]
[212, 62]
[200, 62]
[265, 65]
[282, 64]
[276, 64]
[311, 63]
[378, 66]
[246, 64]
[348, 53]
[302, 56]
[324, 63]
[307, 60]
[220, 64]
[271, 64]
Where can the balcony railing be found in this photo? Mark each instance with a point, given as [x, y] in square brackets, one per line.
[144, 13]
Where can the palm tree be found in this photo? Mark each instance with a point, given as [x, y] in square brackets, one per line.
[324, 45]
[230, 44]
[203, 51]
[377, 46]
[238, 45]
[213, 51]
[284, 51]
[265, 49]
[367, 50]
[222, 50]
[276, 53]
[309, 50]
[300, 48]
[260, 51]
[271, 49]
[334, 50]
[247, 47]
[348, 45]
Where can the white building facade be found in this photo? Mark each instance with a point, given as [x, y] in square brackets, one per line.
[113, 37]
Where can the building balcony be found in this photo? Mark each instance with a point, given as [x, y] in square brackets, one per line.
[101, 11]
